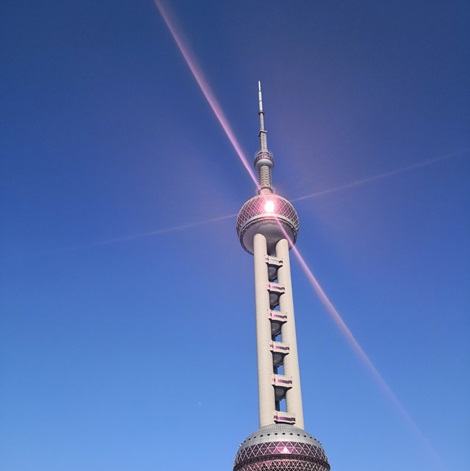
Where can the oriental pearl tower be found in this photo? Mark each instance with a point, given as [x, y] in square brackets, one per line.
[267, 226]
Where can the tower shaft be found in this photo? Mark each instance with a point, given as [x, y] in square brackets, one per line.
[266, 404]
[291, 361]
[278, 367]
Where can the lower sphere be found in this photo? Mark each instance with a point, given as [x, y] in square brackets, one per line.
[280, 447]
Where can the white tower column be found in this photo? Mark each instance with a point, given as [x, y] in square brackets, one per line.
[263, 332]
[291, 361]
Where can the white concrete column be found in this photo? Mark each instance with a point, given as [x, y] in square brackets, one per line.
[291, 361]
[263, 332]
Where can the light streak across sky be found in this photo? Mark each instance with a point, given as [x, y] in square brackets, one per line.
[203, 85]
[142, 235]
[361, 353]
[391, 173]
[182, 227]
[155, 233]
[338, 320]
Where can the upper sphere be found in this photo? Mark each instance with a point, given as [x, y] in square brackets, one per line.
[281, 447]
[269, 215]
[263, 157]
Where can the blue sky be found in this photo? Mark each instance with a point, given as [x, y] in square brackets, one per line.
[127, 328]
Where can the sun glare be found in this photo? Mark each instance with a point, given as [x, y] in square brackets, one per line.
[269, 206]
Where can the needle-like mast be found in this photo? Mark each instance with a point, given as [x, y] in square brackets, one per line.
[262, 131]
[264, 161]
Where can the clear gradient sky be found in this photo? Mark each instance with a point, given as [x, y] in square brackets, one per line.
[127, 336]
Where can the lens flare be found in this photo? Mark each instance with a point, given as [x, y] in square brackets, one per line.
[116, 240]
[204, 86]
[334, 314]
[397, 171]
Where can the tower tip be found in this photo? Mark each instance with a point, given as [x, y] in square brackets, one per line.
[263, 161]
[260, 98]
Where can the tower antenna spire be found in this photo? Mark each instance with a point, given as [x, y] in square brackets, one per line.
[264, 161]
[260, 107]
